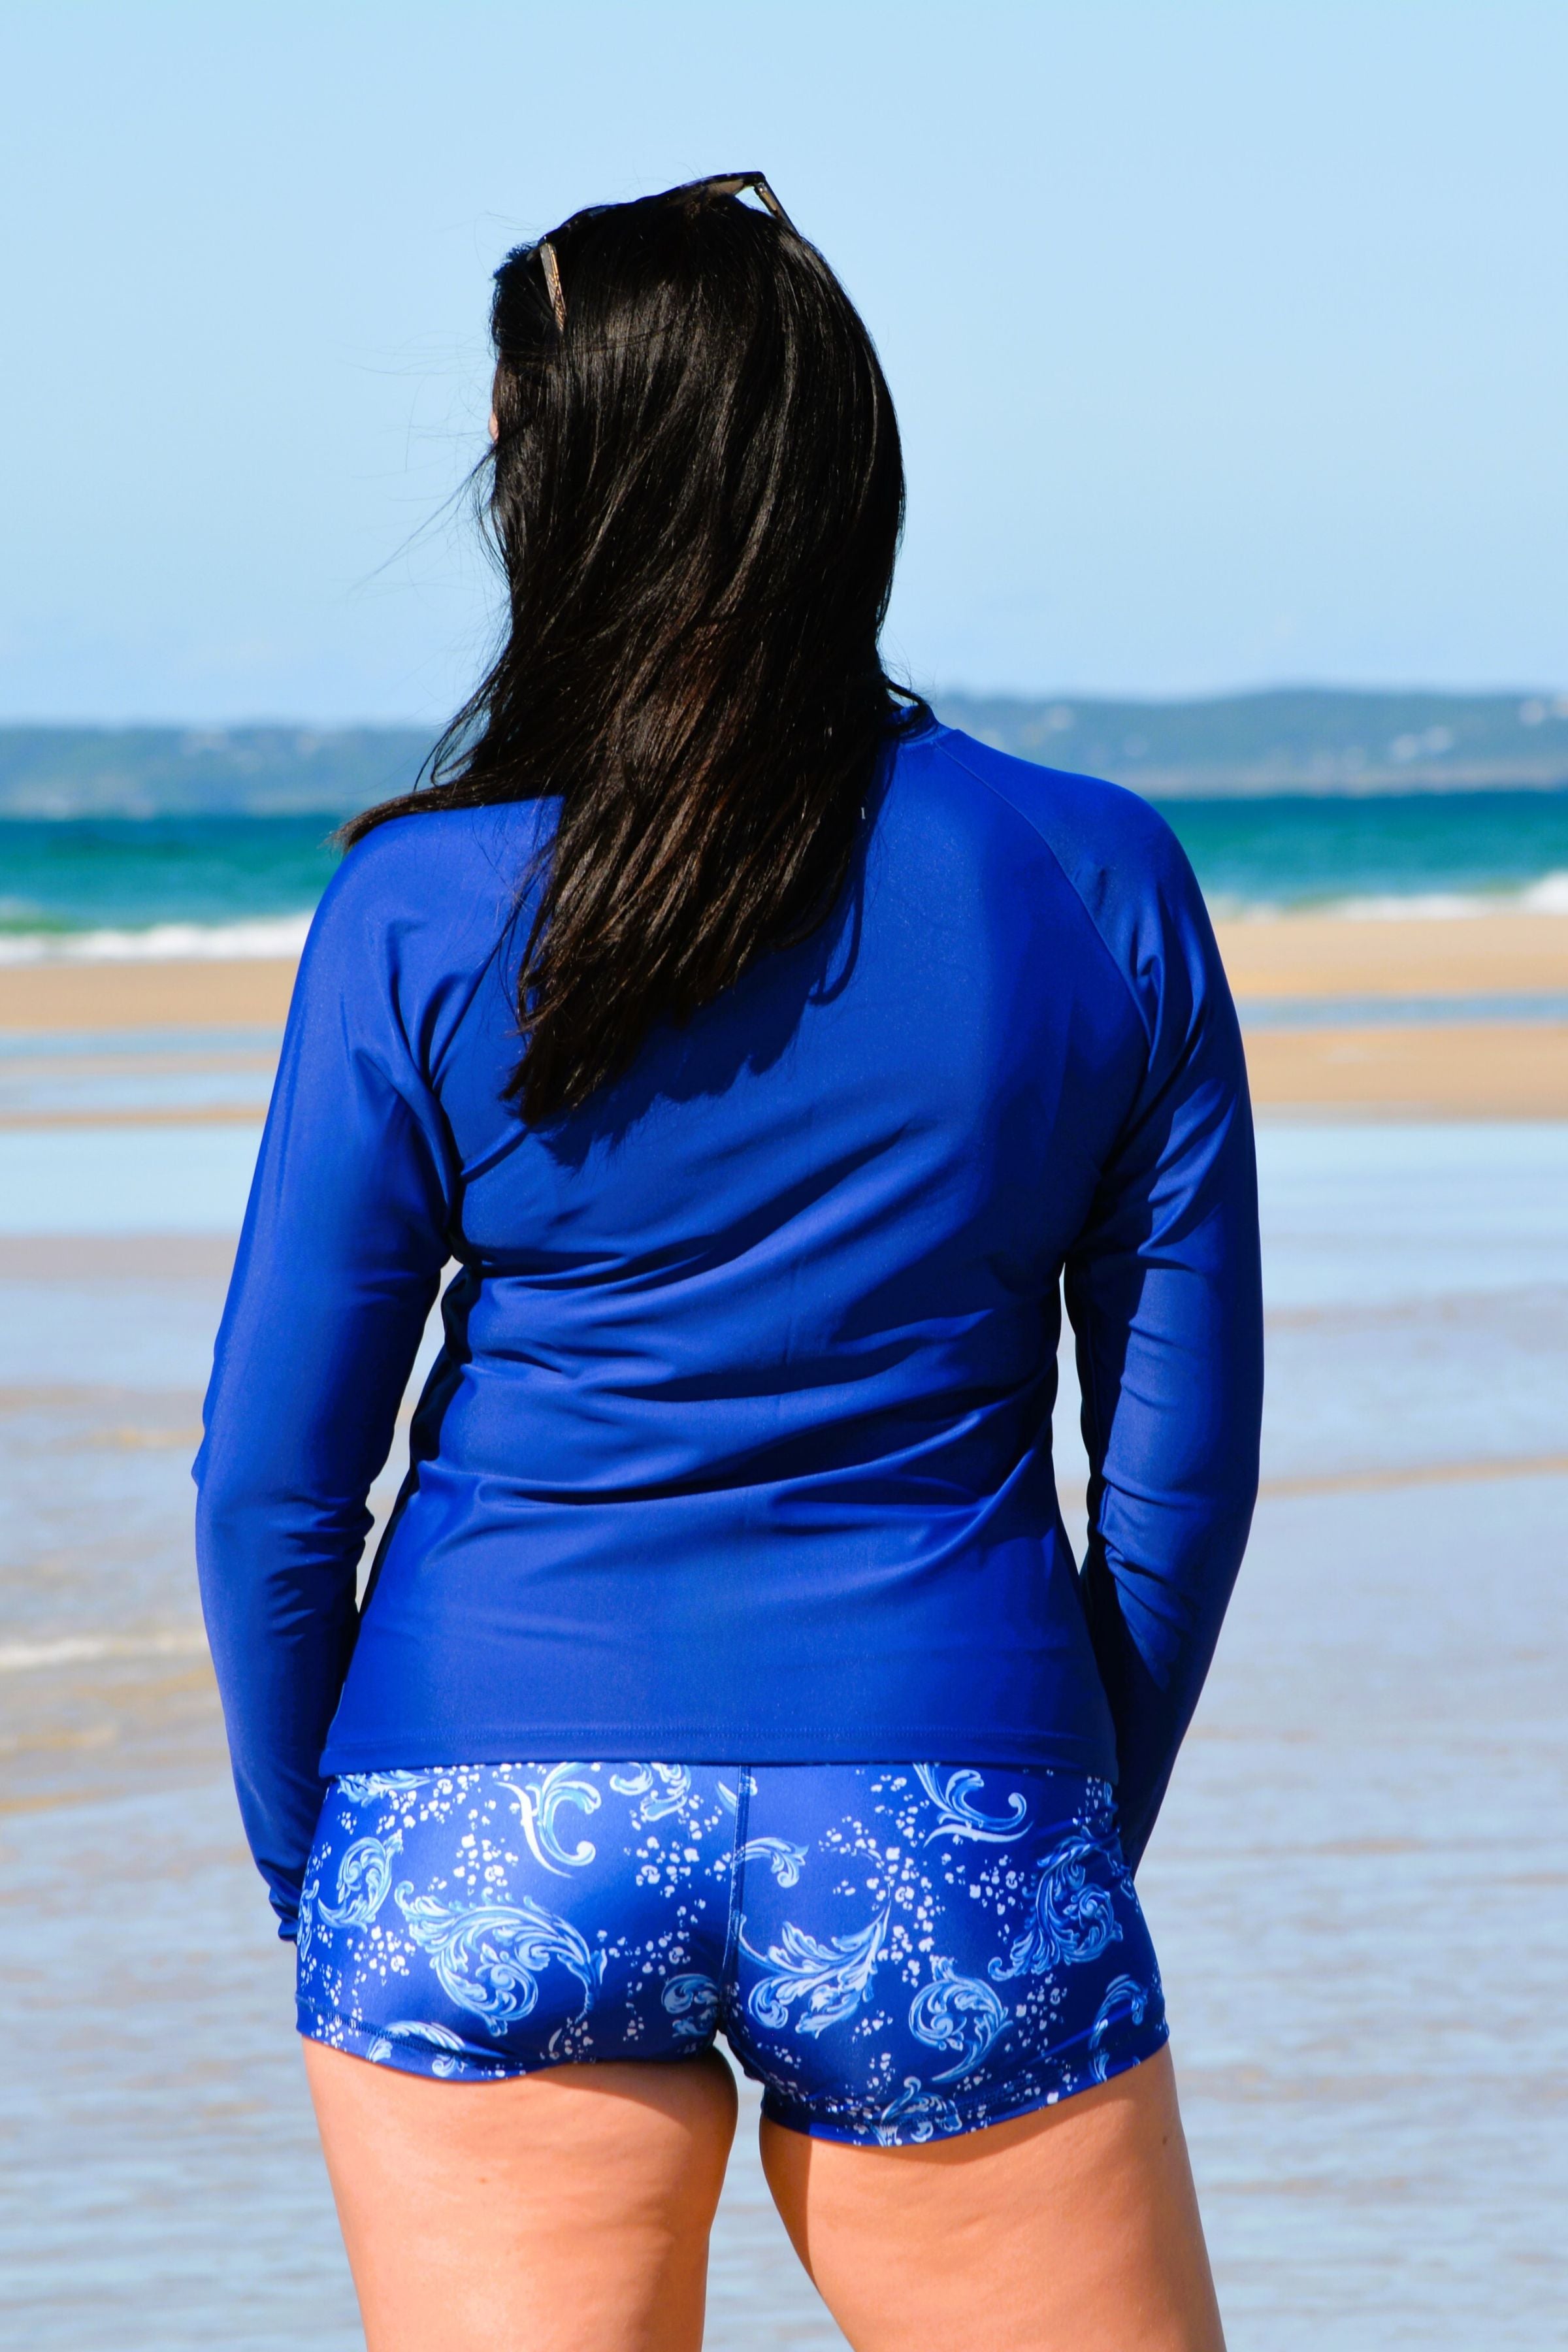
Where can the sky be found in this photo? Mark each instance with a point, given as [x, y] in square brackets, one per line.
[1229, 338]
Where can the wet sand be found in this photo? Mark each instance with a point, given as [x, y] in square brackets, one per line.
[1359, 1886]
[1461, 1069]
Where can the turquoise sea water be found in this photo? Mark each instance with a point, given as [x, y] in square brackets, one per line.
[1298, 850]
[64, 881]
[90, 874]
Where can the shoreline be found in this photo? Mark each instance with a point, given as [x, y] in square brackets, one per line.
[1471, 1065]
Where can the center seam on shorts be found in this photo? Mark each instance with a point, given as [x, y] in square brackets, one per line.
[737, 1879]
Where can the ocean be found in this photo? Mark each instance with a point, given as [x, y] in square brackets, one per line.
[244, 885]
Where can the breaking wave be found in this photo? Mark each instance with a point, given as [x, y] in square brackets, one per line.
[263, 937]
[1548, 896]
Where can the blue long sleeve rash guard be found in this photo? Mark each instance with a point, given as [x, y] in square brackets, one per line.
[739, 1444]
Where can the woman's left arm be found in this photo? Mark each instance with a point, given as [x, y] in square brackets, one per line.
[1164, 1293]
[339, 1260]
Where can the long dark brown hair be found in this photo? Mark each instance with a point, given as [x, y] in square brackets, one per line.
[696, 493]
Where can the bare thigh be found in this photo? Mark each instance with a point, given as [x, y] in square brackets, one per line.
[1072, 2230]
[563, 2211]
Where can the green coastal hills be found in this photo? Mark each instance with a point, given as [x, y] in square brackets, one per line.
[1298, 740]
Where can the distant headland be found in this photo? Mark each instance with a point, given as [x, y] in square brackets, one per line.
[1295, 740]
[1289, 740]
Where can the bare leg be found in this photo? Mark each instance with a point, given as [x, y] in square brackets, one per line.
[1072, 2230]
[564, 2211]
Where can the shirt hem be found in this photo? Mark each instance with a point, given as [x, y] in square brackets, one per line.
[707, 1743]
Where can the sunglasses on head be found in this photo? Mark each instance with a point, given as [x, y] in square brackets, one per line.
[722, 183]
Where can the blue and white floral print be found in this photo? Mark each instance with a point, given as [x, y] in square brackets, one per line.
[663, 1788]
[1125, 2003]
[829, 1980]
[916, 2115]
[490, 1957]
[364, 1881]
[782, 1859]
[538, 1799]
[956, 2012]
[897, 1952]
[1074, 1913]
[443, 2044]
[693, 2002]
[956, 1815]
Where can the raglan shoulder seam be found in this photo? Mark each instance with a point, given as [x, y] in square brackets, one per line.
[384, 911]
[1055, 856]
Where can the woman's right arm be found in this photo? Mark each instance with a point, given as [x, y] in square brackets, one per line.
[339, 1263]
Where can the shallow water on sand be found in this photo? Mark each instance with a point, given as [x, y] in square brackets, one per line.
[1359, 1888]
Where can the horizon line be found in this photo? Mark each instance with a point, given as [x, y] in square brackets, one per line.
[1555, 698]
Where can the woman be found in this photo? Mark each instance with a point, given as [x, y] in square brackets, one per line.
[764, 1053]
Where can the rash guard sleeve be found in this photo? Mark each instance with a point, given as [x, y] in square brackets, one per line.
[339, 1262]
[1164, 1291]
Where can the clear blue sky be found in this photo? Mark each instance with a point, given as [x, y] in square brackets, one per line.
[1230, 340]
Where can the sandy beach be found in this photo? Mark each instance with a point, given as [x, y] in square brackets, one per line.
[1438, 1028]
[1349, 956]
[56, 997]
[1328, 956]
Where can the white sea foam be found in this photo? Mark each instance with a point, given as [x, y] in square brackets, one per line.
[273, 935]
[284, 934]
[1549, 896]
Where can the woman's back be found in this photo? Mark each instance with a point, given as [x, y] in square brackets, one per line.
[739, 1442]
[765, 1054]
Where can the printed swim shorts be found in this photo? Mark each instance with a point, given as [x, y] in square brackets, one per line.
[897, 1952]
